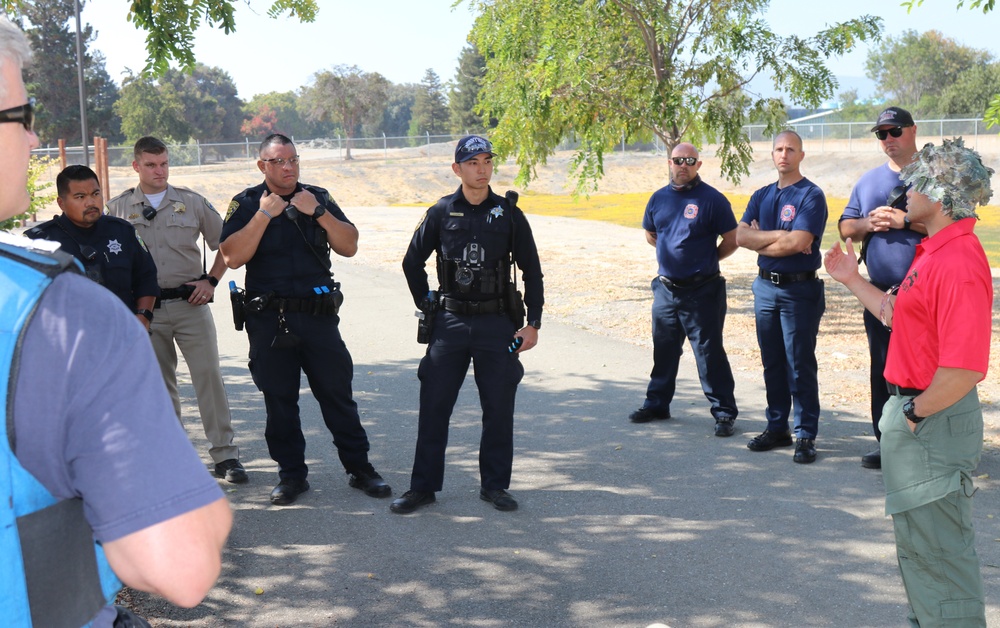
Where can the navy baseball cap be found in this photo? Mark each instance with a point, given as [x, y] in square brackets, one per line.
[470, 146]
[893, 116]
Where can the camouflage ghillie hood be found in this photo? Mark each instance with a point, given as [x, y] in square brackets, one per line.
[952, 175]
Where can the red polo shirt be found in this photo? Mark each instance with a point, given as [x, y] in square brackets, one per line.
[943, 312]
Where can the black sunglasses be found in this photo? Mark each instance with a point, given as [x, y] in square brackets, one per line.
[22, 114]
[895, 132]
[690, 161]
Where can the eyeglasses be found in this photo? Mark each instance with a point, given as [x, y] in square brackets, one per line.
[149, 213]
[894, 131]
[690, 161]
[279, 162]
[23, 114]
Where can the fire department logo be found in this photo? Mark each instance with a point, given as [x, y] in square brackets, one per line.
[691, 211]
[788, 213]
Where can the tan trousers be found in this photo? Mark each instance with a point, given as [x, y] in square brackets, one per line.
[192, 328]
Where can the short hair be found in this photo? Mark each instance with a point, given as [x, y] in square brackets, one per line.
[787, 132]
[272, 139]
[73, 173]
[149, 144]
[13, 47]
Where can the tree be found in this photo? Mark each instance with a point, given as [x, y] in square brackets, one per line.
[261, 124]
[913, 70]
[464, 94]
[992, 115]
[971, 92]
[170, 24]
[211, 106]
[348, 96]
[430, 109]
[603, 70]
[52, 76]
[148, 109]
[398, 110]
[289, 117]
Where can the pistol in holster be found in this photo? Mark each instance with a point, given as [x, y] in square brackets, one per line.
[429, 306]
[237, 296]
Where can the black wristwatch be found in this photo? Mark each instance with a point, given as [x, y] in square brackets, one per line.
[147, 313]
[212, 280]
[320, 210]
[910, 412]
[906, 223]
[537, 324]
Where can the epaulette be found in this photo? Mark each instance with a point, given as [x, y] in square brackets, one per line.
[128, 191]
[38, 230]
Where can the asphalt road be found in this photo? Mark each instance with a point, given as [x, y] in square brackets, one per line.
[619, 524]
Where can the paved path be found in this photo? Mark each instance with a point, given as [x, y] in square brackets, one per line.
[619, 525]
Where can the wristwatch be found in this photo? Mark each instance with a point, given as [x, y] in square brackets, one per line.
[212, 280]
[910, 412]
[147, 313]
[320, 210]
[906, 223]
[536, 324]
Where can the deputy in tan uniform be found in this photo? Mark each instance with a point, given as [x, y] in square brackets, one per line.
[170, 220]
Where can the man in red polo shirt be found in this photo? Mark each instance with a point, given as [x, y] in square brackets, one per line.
[932, 425]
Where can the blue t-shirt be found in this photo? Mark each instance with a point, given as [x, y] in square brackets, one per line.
[93, 418]
[797, 207]
[889, 253]
[687, 225]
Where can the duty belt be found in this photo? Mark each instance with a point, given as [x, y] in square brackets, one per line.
[902, 392]
[690, 282]
[780, 279]
[316, 307]
[457, 306]
[181, 292]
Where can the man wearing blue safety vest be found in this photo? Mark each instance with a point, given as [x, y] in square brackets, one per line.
[99, 485]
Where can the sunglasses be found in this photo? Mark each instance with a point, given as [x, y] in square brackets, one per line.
[23, 114]
[279, 162]
[689, 161]
[895, 132]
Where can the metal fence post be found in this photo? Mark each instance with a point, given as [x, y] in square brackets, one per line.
[385, 148]
[428, 137]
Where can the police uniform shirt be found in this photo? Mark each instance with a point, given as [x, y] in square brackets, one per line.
[172, 234]
[687, 224]
[452, 223]
[797, 207]
[293, 256]
[122, 261]
[888, 254]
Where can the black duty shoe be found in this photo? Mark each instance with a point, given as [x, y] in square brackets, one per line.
[724, 427]
[805, 451]
[769, 440]
[645, 415]
[410, 501]
[500, 499]
[232, 471]
[872, 459]
[370, 482]
[287, 491]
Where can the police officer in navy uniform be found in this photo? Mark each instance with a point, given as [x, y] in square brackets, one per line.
[284, 231]
[111, 252]
[475, 233]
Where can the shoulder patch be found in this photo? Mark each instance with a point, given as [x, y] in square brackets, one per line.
[233, 206]
[422, 220]
[141, 242]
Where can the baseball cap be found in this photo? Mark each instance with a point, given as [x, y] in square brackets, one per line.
[893, 116]
[470, 146]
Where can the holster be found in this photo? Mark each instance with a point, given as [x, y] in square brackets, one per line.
[513, 304]
[238, 299]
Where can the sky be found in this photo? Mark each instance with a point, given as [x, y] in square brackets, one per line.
[401, 39]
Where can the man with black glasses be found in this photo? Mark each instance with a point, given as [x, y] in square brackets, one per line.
[111, 252]
[692, 226]
[171, 220]
[876, 217]
[284, 232]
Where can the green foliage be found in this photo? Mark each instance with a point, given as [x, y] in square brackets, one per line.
[913, 70]
[985, 5]
[600, 70]
[212, 109]
[37, 167]
[992, 117]
[851, 110]
[430, 109]
[347, 96]
[52, 76]
[149, 109]
[464, 93]
[289, 116]
[397, 112]
[170, 24]
[971, 92]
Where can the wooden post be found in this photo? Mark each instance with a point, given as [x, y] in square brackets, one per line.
[104, 168]
[62, 155]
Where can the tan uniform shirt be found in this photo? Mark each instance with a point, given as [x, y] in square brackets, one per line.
[172, 235]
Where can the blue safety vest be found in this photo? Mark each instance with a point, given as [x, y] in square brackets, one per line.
[54, 573]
